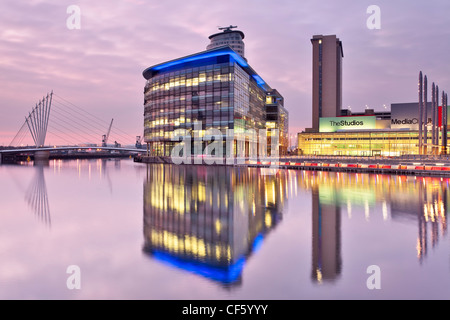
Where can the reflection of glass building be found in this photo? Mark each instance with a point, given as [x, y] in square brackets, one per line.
[216, 88]
[402, 198]
[209, 220]
[432, 214]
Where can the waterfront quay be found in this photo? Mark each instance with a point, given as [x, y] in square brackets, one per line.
[436, 165]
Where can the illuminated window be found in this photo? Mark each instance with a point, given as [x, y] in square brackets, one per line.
[270, 125]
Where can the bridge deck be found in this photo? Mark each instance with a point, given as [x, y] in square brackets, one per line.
[71, 148]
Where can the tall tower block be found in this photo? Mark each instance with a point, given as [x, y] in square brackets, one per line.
[327, 78]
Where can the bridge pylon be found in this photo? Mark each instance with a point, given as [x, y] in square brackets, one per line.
[37, 120]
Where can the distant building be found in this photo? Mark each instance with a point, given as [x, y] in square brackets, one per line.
[327, 78]
[336, 131]
[369, 133]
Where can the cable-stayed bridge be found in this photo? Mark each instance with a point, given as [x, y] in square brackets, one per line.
[56, 119]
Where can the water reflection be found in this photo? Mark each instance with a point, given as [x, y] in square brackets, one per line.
[326, 235]
[36, 195]
[402, 198]
[432, 215]
[201, 228]
[210, 220]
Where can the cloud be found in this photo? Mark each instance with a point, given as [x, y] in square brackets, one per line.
[99, 67]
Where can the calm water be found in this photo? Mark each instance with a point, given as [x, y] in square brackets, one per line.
[141, 231]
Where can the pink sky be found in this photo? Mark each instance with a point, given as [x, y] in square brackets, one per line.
[99, 67]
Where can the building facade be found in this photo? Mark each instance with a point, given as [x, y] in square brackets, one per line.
[393, 133]
[277, 117]
[359, 143]
[212, 89]
[327, 53]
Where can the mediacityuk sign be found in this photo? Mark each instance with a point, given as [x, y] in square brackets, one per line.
[334, 124]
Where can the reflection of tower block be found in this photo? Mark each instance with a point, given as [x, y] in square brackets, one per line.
[326, 251]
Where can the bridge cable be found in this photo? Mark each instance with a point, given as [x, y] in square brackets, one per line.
[97, 119]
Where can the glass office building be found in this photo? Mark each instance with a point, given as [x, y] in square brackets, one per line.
[393, 133]
[359, 143]
[277, 117]
[213, 89]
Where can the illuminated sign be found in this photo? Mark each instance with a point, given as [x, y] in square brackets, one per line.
[406, 115]
[347, 123]
[404, 121]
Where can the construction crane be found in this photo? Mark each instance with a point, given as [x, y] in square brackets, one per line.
[105, 137]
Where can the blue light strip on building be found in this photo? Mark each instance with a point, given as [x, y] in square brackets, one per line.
[208, 54]
[258, 80]
[257, 243]
[226, 274]
[224, 51]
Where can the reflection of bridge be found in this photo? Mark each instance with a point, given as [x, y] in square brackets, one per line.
[37, 197]
[70, 124]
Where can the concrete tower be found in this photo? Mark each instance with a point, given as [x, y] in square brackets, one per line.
[327, 78]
